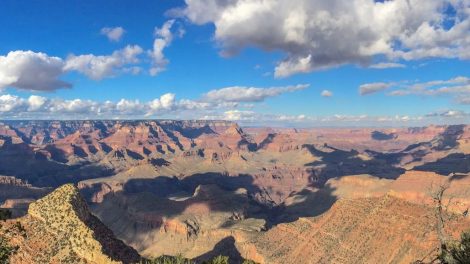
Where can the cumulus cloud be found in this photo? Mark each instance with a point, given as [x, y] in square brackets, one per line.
[113, 33]
[163, 38]
[166, 101]
[318, 34]
[28, 70]
[9, 103]
[38, 106]
[35, 102]
[370, 88]
[387, 65]
[99, 67]
[12, 106]
[210, 104]
[37, 71]
[167, 106]
[326, 93]
[249, 94]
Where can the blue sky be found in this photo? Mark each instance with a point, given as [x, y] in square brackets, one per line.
[277, 60]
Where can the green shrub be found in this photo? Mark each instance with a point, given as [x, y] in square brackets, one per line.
[6, 251]
[5, 214]
[218, 260]
[457, 253]
[246, 261]
[181, 260]
[168, 260]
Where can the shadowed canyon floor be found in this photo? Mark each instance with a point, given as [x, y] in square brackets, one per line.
[204, 188]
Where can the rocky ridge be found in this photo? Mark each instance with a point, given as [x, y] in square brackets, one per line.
[60, 229]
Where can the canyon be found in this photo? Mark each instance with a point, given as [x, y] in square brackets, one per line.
[208, 188]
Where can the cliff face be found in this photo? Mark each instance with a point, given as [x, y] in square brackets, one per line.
[60, 229]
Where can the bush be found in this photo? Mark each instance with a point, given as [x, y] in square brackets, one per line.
[5, 214]
[218, 260]
[6, 251]
[246, 261]
[181, 260]
[457, 253]
[168, 260]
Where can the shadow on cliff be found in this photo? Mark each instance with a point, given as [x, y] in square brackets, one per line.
[453, 163]
[309, 202]
[166, 197]
[448, 139]
[163, 186]
[378, 135]
[338, 163]
[34, 167]
[192, 132]
[225, 247]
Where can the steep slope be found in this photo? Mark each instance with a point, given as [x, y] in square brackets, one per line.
[60, 229]
[366, 230]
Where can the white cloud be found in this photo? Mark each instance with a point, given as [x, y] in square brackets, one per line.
[166, 106]
[113, 34]
[459, 86]
[387, 65]
[258, 118]
[370, 88]
[36, 102]
[38, 106]
[166, 101]
[36, 71]
[458, 114]
[237, 115]
[326, 93]
[72, 107]
[28, 70]
[248, 94]
[292, 66]
[99, 67]
[9, 103]
[129, 107]
[317, 34]
[163, 38]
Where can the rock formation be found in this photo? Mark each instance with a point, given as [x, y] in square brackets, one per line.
[202, 188]
[59, 229]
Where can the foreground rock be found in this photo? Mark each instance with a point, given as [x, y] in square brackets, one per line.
[59, 229]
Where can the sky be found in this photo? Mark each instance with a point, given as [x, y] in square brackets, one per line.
[301, 63]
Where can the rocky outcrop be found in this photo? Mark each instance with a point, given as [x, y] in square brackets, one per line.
[60, 229]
